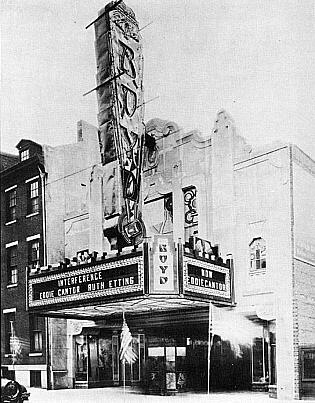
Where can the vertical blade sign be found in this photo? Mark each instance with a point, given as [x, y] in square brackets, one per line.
[120, 102]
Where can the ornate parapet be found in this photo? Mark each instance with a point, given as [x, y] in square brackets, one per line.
[226, 139]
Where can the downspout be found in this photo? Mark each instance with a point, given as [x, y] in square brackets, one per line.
[47, 350]
[42, 180]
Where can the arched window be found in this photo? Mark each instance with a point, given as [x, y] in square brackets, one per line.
[257, 255]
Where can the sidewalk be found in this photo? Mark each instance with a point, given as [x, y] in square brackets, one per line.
[108, 395]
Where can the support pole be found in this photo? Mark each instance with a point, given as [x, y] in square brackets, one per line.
[209, 342]
[124, 377]
[124, 367]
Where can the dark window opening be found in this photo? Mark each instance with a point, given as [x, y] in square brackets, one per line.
[36, 334]
[35, 379]
[11, 205]
[12, 268]
[33, 202]
[33, 260]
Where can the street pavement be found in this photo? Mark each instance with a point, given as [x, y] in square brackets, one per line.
[131, 395]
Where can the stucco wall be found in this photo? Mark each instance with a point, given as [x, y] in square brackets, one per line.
[304, 250]
[69, 170]
[263, 210]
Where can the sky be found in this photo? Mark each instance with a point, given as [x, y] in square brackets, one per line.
[253, 58]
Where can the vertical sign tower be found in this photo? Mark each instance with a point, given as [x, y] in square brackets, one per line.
[121, 128]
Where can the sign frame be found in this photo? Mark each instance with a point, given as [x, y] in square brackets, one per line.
[206, 291]
[162, 269]
[108, 267]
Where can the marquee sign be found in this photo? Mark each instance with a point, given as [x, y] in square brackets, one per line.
[120, 99]
[206, 279]
[162, 269]
[108, 279]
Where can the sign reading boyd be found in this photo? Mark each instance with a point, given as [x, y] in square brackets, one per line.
[107, 279]
[163, 266]
[121, 108]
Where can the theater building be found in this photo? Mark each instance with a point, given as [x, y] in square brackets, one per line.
[160, 224]
[196, 189]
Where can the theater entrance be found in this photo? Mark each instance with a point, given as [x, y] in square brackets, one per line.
[169, 360]
[97, 362]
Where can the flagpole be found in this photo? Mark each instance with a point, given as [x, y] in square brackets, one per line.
[126, 352]
[124, 377]
[209, 342]
[124, 367]
[12, 351]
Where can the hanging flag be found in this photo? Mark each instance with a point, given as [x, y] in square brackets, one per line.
[15, 345]
[231, 325]
[126, 352]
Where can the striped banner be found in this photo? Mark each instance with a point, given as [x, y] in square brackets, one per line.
[15, 345]
[126, 352]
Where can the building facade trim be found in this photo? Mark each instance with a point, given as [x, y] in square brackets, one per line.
[32, 179]
[8, 310]
[33, 237]
[10, 244]
[10, 188]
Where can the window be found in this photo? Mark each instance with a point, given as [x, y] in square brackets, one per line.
[25, 155]
[264, 356]
[168, 213]
[11, 205]
[36, 333]
[81, 358]
[260, 360]
[158, 215]
[258, 255]
[191, 214]
[9, 324]
[12, 265]
[33, 204]
[33, 259]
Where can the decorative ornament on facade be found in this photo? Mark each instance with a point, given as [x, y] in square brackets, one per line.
[191, 214]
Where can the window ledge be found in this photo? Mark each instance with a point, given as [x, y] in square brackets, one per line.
[257, 272]
[12, 285]
[10, 222]
[32, 214]
[35, 354]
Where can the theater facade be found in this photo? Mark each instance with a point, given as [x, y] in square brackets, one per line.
[163, 226]
[162, 288]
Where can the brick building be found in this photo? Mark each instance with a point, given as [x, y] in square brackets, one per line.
[26, 231]
[22, 246]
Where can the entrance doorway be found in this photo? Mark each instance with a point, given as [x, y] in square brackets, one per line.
[97, 360]
[168, 360]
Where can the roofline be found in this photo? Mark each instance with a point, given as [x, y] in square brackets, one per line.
[9, 154]
[29, 141]
[22, 165]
